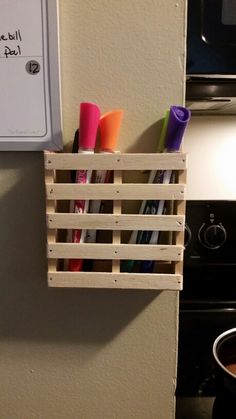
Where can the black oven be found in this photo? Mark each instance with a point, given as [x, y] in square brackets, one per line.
[207, 305]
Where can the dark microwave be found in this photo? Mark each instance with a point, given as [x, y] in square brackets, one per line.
[211, 37]
[211, 55]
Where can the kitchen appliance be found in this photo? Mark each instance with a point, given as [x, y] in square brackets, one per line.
[211, 56]
[207, 305]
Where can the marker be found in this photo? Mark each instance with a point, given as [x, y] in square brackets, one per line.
[89, 120]
[156, 176]
[177, 123]
[109, 126]
[146, 206]
[75, 147]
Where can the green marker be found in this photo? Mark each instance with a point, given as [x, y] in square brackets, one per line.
[127, 265]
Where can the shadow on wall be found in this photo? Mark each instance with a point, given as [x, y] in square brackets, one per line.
[147, 142]
[28, 309]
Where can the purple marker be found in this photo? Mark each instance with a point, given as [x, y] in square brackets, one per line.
[177, 123]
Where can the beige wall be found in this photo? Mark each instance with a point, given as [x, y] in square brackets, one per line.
[69, 354]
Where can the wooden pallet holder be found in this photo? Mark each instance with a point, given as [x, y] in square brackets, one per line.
[170, 254]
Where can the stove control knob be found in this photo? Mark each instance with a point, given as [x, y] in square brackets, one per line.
[212, 236]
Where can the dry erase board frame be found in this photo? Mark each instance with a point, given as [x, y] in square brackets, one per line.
[30, 105]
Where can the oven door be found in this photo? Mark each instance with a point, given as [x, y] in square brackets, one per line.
[207, 308]
[200, 324]
[199, 327]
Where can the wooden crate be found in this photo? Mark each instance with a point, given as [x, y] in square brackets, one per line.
[170, 255]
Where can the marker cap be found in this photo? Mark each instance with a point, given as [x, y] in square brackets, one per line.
[177, 122]
[89, 121]
[109, 128]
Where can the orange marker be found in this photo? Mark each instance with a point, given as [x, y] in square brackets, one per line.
[109, 126]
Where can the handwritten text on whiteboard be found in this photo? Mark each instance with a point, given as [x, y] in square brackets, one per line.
[10, 44]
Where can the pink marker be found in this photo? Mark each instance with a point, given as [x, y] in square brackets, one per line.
[89, 121]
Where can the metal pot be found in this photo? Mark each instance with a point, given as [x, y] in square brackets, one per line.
[224, 352]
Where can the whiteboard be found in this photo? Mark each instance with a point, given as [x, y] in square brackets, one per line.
[30, 109]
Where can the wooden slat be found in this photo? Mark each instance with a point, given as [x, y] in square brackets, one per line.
[119, 251]
[116, 161]
[116, 222]
[115, 280]
[179, 236]
[51, 207]
[130, 191]
[116, 235]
